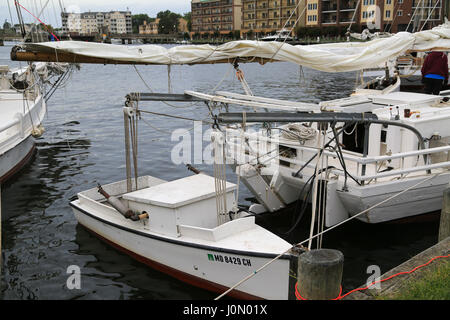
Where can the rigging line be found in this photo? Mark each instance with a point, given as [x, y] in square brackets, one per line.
[176, 117]
[323, 232]
[321, 184]
[414, 13]
[285, 38]
[353, 18]
[326, 146]
[10, 14]
[314, 195]
[55, 14]
[159, 129]
[438, 1]
[46, 27]
[394, 12]
[152, 91]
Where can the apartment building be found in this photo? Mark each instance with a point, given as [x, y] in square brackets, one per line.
[152, 27]
[384, 15]
[149, 27]
[340, 13]
[87, 23]
[267, 16]
[223, 16]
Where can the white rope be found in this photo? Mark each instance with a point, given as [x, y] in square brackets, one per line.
[244, 122]
[321, 233]
[299, 131]
[321, 211]
[314, 194]
[220, 178]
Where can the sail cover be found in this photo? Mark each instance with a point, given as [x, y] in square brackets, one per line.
[335, 57]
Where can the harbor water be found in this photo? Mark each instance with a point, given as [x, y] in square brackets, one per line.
[84, 145]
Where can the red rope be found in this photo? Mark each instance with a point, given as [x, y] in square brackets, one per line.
[299, 297]
[17, 2]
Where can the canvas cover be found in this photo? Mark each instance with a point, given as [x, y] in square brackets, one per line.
[334, 57]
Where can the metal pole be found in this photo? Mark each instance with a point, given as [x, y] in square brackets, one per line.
[126, 125]
[282, 117]
[366, 148]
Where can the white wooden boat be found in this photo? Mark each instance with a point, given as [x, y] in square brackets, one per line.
[182, 237]
[22, 112]
[407, 144]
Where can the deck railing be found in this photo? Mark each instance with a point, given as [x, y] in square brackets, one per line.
[268, 154]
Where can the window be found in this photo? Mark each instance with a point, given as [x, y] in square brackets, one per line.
[400, 13]
[388, 13]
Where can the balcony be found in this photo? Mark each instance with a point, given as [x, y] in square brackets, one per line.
[347, 5]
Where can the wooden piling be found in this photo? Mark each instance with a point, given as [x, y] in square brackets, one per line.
[444, 225]
[320, 274]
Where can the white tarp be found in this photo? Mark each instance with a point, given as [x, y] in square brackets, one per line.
[336, 57]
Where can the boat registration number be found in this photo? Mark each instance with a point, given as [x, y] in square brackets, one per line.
[231, 260]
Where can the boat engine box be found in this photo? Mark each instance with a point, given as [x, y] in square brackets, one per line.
[187, 201]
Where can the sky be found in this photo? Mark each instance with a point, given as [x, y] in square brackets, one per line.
[51, 13]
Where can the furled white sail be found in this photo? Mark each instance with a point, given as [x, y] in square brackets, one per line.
[336, 57]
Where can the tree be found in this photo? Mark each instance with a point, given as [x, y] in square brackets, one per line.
[6, 25]
[138, 19]
[188, 18]
[168, 22]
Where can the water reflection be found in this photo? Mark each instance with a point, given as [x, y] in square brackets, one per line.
[37, 233]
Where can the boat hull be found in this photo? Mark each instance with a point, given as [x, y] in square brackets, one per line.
[13, 160]
[211, 268]
[425, 198]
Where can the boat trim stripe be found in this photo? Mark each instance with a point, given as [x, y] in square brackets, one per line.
[177, 274]
[20, 165]
[182, 243]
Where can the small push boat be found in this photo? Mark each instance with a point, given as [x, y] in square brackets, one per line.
[176, 230]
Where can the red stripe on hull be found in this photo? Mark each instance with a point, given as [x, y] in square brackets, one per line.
[18, 166]
[182, 276]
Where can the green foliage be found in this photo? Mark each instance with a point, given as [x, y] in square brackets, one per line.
[188, 18]
[434, 284]
[168, 22]
[6, 26]
[138, 19]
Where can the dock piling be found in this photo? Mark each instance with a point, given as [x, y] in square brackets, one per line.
[320, 274]
[444, 225]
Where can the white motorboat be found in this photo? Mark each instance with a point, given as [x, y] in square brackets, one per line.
[280, 35]
[180, 234]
